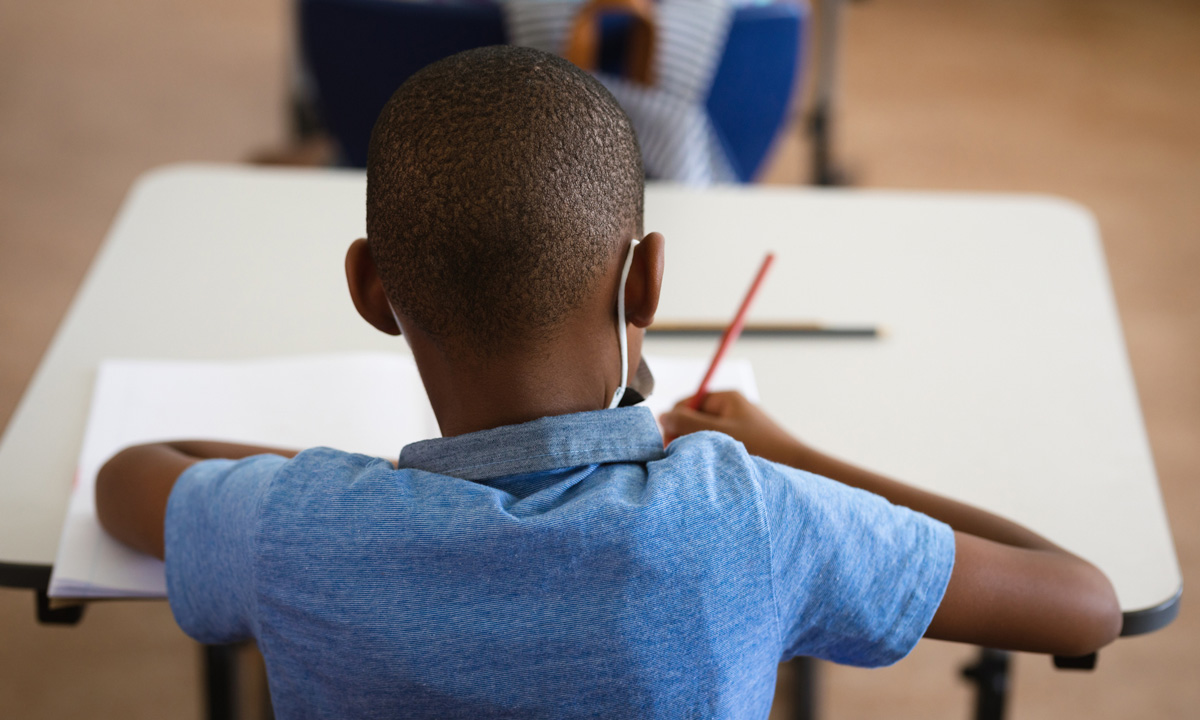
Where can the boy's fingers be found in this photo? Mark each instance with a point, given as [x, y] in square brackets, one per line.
[720, 403]
[717, 403]
[708, 405]
[684, 420]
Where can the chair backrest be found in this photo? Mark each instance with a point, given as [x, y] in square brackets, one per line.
[358, 52]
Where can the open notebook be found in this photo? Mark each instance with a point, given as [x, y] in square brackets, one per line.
[367, 403]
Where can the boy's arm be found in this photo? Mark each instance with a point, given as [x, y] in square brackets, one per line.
[1010, 588]
[133, 486]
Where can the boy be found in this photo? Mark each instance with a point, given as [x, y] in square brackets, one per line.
[548, 557]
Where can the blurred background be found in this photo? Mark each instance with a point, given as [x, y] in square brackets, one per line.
[1094, 100]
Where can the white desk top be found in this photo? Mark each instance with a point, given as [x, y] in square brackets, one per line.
[1002, 379]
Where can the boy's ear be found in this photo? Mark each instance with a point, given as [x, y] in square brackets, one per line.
[366, 288]
[644, 285]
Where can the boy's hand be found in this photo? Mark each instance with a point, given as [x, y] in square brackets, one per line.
[731, 413]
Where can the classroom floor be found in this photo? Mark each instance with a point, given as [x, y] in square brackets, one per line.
[1096, 100]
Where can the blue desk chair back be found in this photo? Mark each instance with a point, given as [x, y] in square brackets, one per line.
[357, 52]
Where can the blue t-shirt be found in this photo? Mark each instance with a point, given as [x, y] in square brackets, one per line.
[566, 567]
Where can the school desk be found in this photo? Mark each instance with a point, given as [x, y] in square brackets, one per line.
[1000, 378]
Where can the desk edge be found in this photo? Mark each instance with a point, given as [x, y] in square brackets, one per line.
[1134, 622]
[1140, 622]
[23, 575]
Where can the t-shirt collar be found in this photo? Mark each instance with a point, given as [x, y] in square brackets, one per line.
[627, 434]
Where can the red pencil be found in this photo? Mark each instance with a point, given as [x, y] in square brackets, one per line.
[732, 332]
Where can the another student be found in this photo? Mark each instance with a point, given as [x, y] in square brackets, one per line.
[547, 557]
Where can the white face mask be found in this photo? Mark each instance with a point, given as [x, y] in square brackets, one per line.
[622, 337]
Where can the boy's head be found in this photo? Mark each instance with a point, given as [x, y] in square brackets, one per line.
[502, 185]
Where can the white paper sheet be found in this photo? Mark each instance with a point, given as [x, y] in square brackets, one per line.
[368, 403]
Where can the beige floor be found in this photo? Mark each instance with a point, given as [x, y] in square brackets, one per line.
[1097, 100]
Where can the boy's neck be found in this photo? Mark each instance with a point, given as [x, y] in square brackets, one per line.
[576, 372]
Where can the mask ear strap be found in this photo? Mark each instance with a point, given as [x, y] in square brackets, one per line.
[622, 336]
[395, 315]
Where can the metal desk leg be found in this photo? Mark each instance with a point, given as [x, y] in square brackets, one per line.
[824, 89]
[46, 615]
[220, 681]
[804, 675]
[990, 674]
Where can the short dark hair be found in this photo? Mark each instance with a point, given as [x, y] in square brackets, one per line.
[501, 182]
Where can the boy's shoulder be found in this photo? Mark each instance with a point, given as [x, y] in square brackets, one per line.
[726, 460]
[321, 474]
[326, 463]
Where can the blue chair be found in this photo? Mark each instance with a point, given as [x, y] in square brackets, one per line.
[357, 52]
